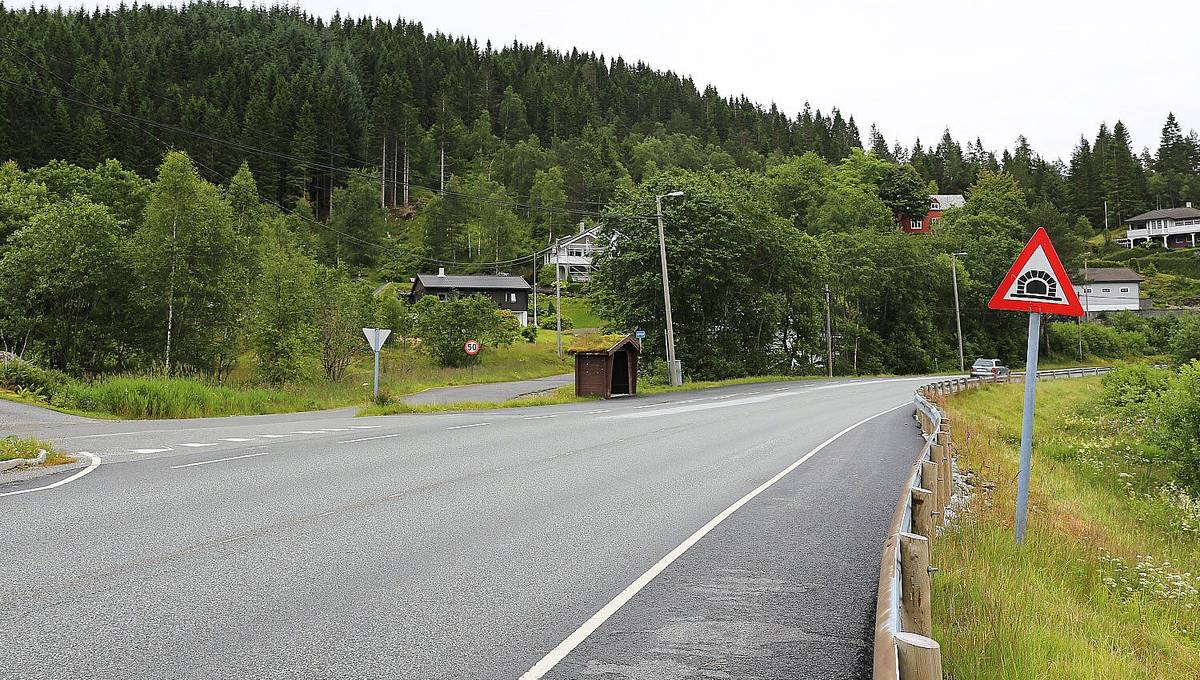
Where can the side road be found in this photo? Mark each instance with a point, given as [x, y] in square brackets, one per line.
[489, 392]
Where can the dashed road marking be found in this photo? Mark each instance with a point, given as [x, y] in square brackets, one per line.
[149, 450]
[219, 460]
[367, 439]
[336, 429]
[307, 432]
[364, 427]
[238, 439]
[272, 436]
[460, 427]
[540, 417]
[195, 445]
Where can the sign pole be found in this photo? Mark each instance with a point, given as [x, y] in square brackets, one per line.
[1031, 363]
[375, 393]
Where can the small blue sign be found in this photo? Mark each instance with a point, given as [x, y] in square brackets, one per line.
[640, 334]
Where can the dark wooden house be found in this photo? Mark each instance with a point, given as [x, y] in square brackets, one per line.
[509, 292]
[606, 365]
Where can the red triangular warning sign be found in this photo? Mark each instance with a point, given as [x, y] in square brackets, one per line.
[1037, 282]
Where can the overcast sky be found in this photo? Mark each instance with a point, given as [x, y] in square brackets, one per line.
[1050, 69]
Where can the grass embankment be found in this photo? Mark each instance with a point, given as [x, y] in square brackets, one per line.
[1106, 583]
[28, 447]
[580, 313]
[403, 370]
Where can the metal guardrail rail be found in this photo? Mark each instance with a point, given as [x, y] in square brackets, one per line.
[904, 649]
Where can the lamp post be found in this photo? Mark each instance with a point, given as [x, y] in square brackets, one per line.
[675, 378]
[962, 361]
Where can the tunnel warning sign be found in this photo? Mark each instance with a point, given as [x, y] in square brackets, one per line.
[1037, 282]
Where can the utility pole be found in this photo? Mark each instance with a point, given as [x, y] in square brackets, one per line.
[962, 361]
[535, 282]
[383, 164]
[558, 307]
[672, 368]
[828, 336]
[1086, 308]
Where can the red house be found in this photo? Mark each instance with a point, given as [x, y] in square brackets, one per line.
[938, 203]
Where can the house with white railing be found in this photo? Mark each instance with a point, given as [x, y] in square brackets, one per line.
[1171, 227]
[573, 254]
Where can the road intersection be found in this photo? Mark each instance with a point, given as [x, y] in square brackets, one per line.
[466, 545]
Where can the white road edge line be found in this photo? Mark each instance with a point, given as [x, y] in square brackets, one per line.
[367, 439]
[548, 662]
[219, 460]
[95, 463]
[459, 427]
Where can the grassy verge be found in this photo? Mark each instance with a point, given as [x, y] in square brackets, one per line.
[403, 370]
[1105, 585]
[562, 395]
[18, 447]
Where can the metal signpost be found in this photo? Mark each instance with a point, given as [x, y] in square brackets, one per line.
[1038, 284]
[472, 347]
[376, 337]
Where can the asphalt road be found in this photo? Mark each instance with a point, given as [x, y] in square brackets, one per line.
[464, 545]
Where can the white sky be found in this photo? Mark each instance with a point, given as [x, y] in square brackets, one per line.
[1050, 69]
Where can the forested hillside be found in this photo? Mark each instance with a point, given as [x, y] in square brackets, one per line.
[193, 188]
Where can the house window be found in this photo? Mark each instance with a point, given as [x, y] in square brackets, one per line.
[1106, 290]
[915, 224]
[442, 297]
[1087, 290]
[1124, 290]
[512, 297]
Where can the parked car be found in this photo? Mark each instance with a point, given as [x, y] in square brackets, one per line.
[988, 368]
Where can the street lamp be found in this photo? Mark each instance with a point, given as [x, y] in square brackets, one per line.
[962, 362]
[672, 369]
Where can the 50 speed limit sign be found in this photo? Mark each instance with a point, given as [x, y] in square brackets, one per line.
[472, 347]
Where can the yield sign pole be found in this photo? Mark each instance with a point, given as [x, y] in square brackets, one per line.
[1037, 283]
[376, 337]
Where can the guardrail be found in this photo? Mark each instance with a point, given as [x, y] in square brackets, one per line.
[904, 649]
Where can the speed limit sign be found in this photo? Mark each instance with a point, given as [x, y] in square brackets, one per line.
[471, 347]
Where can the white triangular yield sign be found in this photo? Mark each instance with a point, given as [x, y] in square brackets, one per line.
[376, 337]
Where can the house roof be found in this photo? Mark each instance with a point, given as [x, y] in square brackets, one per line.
[567, 240]
[1110, 275]
[477, 282]
[594, 343]
[946, 201]
[1166, 213]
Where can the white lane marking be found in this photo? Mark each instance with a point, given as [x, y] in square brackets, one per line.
[782, 389]
[149, 450]
[272, 436]
[364, 427]
[540, 417]
[307, 432]
[367, 439]
[599, 410]
[336, 429]
[95, 463]
[219, 460]
[459, 427]
[238, 439]
[198, 446]
[564, 648]
[647, 406]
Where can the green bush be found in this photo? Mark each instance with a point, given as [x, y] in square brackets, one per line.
[530, 333]
[22, 376]
[1134, 385]
[1185, 341]
[1176, 423]
[1098, 340]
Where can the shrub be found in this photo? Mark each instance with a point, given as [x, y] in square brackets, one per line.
[1185, 341]
[1134, 384]
[443, 327]
[530, 333]
[19, 376]
[1176, 423]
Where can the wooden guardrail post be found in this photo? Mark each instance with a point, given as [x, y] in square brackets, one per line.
[922, 506]
[935, 455]
[920, 658]
[915, 613]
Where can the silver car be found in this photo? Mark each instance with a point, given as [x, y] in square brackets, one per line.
[988, 368]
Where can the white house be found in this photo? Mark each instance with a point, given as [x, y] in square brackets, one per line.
[1109, 289]
[574, 253]
[1173, 227]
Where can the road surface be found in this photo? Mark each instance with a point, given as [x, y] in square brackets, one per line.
[465, 545]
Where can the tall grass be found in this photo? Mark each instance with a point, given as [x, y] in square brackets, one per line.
[1105, 584]
[141, 397]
